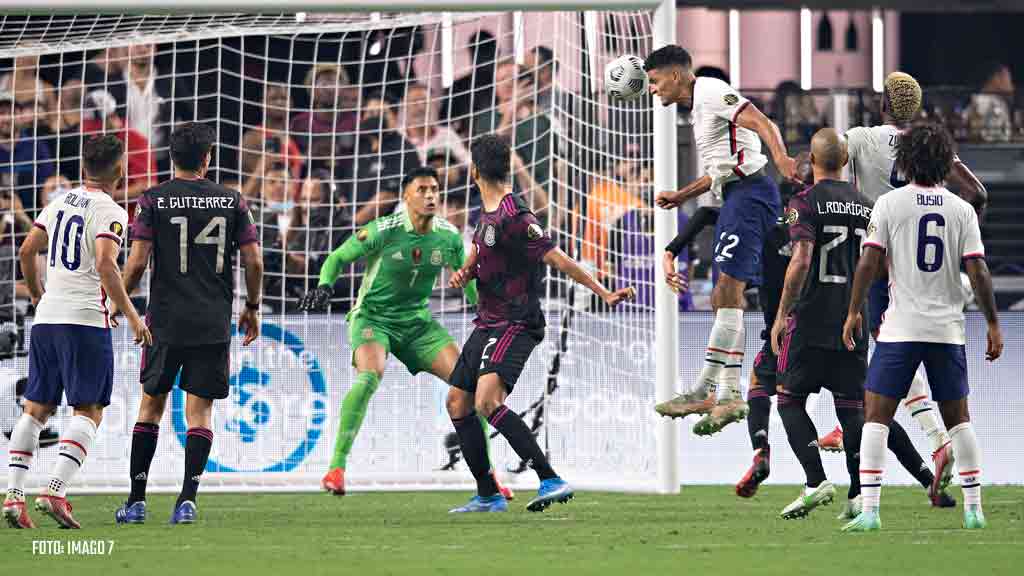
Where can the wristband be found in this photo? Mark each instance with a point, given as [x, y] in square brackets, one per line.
[255, 306]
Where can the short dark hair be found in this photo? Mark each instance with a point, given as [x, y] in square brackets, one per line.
[492, 157]
[418, 172]
[190, 143]
[925, 154]
[545, 56]
[712, 72]
[666, 56]
[100, 155]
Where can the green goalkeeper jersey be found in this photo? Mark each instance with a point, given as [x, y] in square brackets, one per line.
[401, 265]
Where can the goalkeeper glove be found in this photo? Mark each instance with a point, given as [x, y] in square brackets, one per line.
[317, 298]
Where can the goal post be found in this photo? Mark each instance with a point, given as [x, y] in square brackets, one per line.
[409, 83]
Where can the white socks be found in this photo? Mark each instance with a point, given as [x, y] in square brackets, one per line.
[872, 464]
[21, 449]
[925, 414]
[723, 359]
[968, 463]
[74, 447]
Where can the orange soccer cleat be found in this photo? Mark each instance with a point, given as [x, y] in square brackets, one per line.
[832, 442]
[504, 490]
[334, 481]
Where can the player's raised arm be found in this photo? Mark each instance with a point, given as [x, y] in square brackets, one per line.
[358, 245]
[753, 119]
[34, 243]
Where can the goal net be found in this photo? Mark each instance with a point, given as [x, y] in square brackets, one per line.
[318, 117]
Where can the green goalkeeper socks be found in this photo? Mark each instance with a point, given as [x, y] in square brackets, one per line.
[353, 409]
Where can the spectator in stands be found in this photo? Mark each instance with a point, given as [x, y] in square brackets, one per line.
[422, 130]
[53, 187]
[36, 98]
[988, 114]
[283, 241]
[102, 114]
[326, 133]
[516, 117]
[153, 100]
[474, 91]
[454, 186]
[67, 130]
[795, 112]
[25, 162]
[384, 156]
[269, 145]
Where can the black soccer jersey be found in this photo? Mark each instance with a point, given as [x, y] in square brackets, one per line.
[196, 226]
[834, 216]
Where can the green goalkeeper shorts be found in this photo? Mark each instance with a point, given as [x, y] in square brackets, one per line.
[415, 342]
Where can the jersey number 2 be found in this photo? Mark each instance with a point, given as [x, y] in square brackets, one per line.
[214, 233]
[78, 223]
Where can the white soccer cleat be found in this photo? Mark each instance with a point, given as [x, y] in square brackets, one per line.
[808, 500]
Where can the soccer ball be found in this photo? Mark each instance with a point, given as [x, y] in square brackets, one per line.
[625, 78]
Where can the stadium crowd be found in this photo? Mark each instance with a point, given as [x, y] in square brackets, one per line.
[317, 157]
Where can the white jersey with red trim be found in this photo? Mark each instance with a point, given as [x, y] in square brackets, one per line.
[728, 152]
[73, 223]
[925, 233]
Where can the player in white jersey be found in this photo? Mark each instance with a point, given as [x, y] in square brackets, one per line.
[70, 347]
[923, 232]
[729, 131]
[872, 162]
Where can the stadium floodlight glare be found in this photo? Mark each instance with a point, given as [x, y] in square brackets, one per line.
[599, 373]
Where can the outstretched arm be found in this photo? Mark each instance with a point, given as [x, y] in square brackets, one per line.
[753, 119]
[560, 260]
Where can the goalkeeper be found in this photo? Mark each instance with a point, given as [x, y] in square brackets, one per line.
[405, 252]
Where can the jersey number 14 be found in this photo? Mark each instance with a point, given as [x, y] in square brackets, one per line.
[213, 234]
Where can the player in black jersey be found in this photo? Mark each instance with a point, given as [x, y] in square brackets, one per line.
[826, 225]
[192, 228]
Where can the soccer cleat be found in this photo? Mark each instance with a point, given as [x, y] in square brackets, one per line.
[852, 509]
[807, 501]
[757, 473]
[334, 481]
[185, 513]
[721, 415]
[943, 460]
[944, 500]
[974, 519]
[134, 513]
[505, 490]
[16, 514]
[551, 490]
[495, 503]
[832, 442]
[59, 509]
[700, 401]
[864, 522]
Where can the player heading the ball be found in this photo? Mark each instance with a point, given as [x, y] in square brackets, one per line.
[192, 228]
[510, 249]
[728, 131]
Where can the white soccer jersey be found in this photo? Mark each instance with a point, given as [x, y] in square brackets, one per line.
[727, 151]
[925, 233]
[73, 222]
[872, 159]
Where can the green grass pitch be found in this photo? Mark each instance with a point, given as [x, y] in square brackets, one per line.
[704, 530]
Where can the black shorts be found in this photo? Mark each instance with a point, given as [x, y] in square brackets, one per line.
[764, 378]
[204, 369]
[806, 369]
[502, 351]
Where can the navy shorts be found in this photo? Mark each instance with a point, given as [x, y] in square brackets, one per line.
[878, 303]
[750, 210]
[893, 365]
[72, 360]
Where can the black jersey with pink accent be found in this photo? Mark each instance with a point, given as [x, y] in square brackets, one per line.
[196, 226]
[510, 244]
[834, 216]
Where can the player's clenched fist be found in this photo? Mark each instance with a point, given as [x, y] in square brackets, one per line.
[615, 298]
[317, 298]
[851, 330]
[460, 278]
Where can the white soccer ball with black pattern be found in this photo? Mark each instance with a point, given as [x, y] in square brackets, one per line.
[625, 78]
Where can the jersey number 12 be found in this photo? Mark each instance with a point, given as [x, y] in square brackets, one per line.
[214, 233]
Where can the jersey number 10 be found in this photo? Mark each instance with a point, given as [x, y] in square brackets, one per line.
[76, 222]
[214, 233]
